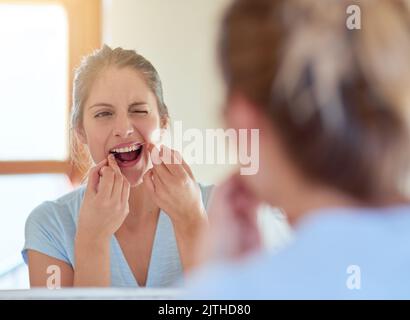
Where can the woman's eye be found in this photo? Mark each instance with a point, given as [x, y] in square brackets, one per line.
[102, 114]
[140, 111]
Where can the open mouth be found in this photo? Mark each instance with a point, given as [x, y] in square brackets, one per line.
[128, 156]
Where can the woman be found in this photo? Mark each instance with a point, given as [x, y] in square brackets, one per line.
[332, 106]
[135, 221]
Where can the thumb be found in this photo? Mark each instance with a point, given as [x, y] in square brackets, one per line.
[94, 177]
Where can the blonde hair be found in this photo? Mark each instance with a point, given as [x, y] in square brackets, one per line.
[85, 75]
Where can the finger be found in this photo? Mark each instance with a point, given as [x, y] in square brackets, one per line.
[236, 209]
[154, 154]
[220, 203]
[159, 185]
[242, 195]
[187, 169]
[158, 166]
[163, 173]
[94, 177]
[118, 178]
[106, 181]
[172, 160]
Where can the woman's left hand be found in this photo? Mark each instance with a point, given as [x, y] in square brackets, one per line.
[174, 189]
[233, 218]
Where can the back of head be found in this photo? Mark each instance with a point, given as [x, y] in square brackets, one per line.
[339, 97]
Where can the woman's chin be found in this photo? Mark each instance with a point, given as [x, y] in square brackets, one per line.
[133, 179]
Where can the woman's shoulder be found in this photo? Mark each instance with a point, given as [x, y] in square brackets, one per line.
[64, 208]
[50, 227]
[73, 197]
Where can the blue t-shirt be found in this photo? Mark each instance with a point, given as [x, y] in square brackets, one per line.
[51, 228]
[335, 254]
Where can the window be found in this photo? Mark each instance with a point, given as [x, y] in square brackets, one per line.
[34, 82]
[42, 42]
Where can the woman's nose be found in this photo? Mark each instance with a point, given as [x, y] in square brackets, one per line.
[123, 127]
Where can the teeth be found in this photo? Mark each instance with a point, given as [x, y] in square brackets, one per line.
[126, 149]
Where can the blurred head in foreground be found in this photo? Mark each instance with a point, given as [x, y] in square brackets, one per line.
[332, 103]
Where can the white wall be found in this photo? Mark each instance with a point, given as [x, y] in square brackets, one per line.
[179, 37]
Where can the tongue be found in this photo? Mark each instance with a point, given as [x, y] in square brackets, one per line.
[127, 156]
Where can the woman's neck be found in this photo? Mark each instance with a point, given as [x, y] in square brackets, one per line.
[313, 198]
[141, 208]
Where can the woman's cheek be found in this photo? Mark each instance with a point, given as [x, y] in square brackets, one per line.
[153, 134]
[97, 152]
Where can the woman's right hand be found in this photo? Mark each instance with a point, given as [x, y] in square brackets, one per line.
[233, 231]
[105, 203]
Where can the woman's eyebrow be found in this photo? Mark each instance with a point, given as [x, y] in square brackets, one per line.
[138, 103]
[101, 104]
[105, 104]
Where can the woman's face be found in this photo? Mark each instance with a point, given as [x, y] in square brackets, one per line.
[120, 114]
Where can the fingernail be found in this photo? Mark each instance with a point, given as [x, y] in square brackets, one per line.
[155, 158]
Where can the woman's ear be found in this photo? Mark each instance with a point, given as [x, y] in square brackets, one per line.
[164, 123]
[80, 133]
